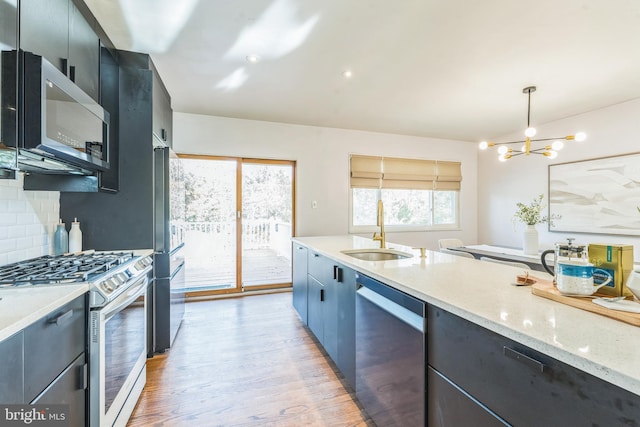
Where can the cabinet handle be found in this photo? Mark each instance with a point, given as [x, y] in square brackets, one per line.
[65, 65]
[337, 273]
[322, 295]
[62, 318]
[163, 134]
[536, 365]
[72, 73]
[316, 255]
[83, 378]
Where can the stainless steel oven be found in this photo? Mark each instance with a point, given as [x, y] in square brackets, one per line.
[117, 331]
[118, 351]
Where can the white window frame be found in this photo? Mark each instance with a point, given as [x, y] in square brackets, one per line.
[356, 229]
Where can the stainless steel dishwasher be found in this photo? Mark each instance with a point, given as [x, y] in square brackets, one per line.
[390, 354]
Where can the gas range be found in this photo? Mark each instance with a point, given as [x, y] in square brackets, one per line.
[107, 273]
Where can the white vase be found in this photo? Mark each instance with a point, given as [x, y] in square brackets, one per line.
[530, 240]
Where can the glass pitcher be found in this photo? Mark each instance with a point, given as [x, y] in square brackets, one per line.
[564, 252]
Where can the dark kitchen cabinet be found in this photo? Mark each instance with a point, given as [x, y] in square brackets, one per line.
[162, 113]
[58, 31]
[346, 292]
[323, 303]
[518, 384]
[46, 362]
[109, 180]
[69, 388]
[331, 310]
[8, 88]
[316, 308]
[449, 406]
[299, 281]
[11, 369]
[64, 330]
[84, 53]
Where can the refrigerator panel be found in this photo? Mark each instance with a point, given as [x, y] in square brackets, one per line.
[161, 199]
[168, 308]
[177, 198]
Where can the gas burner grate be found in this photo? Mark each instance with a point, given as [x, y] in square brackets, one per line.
[61, 269]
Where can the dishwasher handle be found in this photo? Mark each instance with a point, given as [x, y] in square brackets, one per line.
[394, 309]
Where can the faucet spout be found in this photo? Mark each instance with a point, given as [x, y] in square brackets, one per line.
[380, 223]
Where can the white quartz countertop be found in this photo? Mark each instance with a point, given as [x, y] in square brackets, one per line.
[481, 292]
[21, 306]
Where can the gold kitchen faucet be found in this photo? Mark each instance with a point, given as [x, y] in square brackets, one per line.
[380, 223]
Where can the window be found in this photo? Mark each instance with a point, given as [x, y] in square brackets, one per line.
[418, 194]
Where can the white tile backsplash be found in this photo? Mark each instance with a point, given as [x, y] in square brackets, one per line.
[27, 221]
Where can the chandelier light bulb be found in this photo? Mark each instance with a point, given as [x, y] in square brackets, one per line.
[530, 132]
[551, 154]
[502, 149]
[523, 148]
[483, 145]
[502, 158]
[557, 145]
[581, 136]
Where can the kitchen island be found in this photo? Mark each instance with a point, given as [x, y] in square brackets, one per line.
[480, 294]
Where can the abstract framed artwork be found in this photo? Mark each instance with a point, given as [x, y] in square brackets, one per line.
[600, 196]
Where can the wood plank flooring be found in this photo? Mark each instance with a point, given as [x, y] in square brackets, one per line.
[245, 361]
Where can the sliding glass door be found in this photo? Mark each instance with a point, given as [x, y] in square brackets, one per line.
[240, 220]
[267, 220]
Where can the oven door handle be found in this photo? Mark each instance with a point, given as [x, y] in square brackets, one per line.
[126, 298]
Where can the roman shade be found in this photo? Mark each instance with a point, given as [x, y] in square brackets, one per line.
[366, 171]
[404, 174]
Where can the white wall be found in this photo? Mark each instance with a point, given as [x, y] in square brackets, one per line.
[322, 156]
[610, 131]
[27, 221]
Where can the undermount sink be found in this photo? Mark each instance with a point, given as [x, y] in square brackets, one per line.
[377, 254]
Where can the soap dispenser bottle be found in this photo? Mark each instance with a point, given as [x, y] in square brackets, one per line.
[75, 237]
[60, 239]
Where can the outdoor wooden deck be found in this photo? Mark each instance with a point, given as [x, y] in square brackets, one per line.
[260, 266]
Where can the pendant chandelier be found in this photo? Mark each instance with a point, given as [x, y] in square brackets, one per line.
[549, 149]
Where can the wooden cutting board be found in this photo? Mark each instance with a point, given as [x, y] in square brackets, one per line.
[545, 289]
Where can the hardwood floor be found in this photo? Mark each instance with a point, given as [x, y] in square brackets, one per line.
[245, 361]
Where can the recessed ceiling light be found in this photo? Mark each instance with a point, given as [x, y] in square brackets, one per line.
[347, 74]
[253, 58]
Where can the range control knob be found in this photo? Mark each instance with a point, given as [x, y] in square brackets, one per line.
[106, 287]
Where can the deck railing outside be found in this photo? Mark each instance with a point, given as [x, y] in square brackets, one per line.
[210, 252]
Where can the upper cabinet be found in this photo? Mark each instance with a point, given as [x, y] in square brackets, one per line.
[8, 87]
[162, 113]
[58, 31]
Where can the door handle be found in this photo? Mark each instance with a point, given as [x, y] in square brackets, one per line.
[322, 295]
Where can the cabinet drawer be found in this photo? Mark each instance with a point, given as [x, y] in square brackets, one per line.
[450, 406]
[523, 386]
[11, 367]
[69, 389]
[318, 266]
[51, 344]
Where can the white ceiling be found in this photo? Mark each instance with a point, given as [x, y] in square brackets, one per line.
[442, 68]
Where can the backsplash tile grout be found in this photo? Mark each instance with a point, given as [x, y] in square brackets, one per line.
[27, 221]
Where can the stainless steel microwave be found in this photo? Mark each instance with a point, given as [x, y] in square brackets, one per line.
[64, 130]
